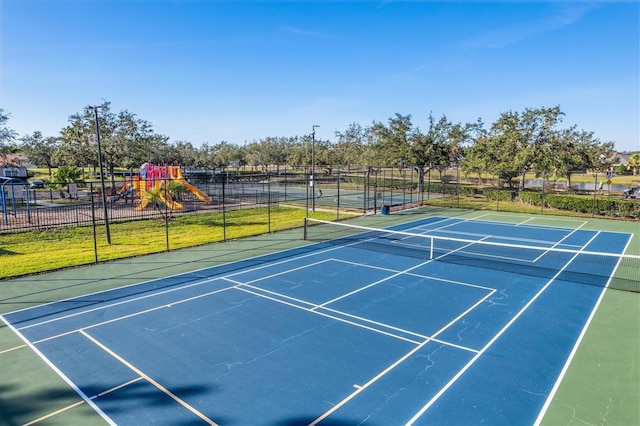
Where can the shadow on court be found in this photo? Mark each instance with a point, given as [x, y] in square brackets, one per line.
[19, 409]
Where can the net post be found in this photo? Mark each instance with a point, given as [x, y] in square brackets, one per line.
[431, 249]
[306, 224]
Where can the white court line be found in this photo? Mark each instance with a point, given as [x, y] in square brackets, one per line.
[525, 221]
[490, 343]
[286, 271]
[59, 372]
[388, 278]
[509, 238]
[315, 306]
[565, 368]
[54, 413]
[443, 342]
[149, 379]
[124, 302]
[560, 242]
[133, 314]
[396, 363]
[12, 349]
[154, 294]
[413, 274]
[554, 219]
[115, 388]
[241, 288]
[275, 294]
[181, 274]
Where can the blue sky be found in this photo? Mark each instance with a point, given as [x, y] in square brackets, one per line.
[237, 71]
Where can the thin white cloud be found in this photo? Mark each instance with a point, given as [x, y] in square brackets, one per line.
[567, 14]
[300, 31]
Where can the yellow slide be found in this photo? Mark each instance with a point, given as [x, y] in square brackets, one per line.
[176, 173]
[145, 197]
[170, 202]
[195, 191]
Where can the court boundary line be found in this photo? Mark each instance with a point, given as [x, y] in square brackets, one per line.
[203, 282]
[507, 238]
[122, 302]
[514, 214]
[133, 314]
[205, 268]
[574, 350]
[63, 376]
[581, 251]
[508, 325]
[158, 279]
[148, 378]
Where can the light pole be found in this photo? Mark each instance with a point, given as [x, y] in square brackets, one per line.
[313, 166]
[95, 109]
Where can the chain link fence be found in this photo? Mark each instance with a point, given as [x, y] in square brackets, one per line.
[357, 191]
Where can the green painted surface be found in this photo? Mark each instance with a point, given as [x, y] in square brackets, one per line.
[601, 386]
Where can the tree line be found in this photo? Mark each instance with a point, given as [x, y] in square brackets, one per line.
[515, 144]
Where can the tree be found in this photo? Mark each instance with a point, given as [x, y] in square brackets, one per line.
[39, 150]
[7, 136]
[75, 147]
[634, 163]
[433, 148]
[127, 141]
[267, 151]
[391, 143]
[518, 142]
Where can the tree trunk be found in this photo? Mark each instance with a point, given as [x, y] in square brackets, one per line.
[522, 176]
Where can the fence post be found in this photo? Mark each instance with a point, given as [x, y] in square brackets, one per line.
[224, 214]
[338, 198]
[498, 195]
[544, 178]
[93, 223]
[166, 217]
[595, 193]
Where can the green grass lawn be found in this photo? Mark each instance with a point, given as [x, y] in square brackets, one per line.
[39, 251]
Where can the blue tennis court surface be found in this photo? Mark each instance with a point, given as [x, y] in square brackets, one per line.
[337, 333]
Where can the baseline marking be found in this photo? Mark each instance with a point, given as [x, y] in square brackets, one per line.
[565, 368]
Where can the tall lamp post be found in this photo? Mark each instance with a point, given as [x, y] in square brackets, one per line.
[313, 166]
[95, 109]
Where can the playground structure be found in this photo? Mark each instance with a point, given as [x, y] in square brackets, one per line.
[153, 184]
[13, 191]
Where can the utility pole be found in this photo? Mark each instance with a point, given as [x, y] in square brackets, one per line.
[313, 166]
[95, 109]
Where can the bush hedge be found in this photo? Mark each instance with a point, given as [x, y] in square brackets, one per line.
[583, 204]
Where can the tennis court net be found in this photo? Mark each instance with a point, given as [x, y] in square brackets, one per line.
[620, 272]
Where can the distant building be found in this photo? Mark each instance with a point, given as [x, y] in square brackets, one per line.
[13, 166]
[622, 158]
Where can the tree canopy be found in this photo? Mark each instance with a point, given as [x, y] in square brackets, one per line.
[514, 144]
